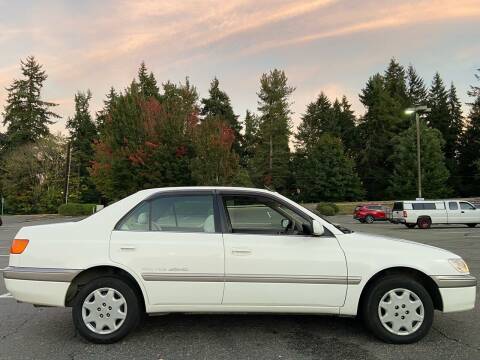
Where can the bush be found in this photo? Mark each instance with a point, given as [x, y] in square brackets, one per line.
[328, 209]
[75, 209]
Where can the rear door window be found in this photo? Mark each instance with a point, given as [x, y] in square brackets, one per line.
[453, 205]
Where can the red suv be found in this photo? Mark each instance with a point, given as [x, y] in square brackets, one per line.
[370, 213]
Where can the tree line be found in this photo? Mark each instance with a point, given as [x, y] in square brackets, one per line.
[155, 135]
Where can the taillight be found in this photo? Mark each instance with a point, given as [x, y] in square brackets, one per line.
[18, 246]
[404, 213]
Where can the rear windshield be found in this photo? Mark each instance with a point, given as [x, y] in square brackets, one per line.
[398, 206]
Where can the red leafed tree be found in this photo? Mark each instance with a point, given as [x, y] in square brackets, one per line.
[145, 141]
[215, 163]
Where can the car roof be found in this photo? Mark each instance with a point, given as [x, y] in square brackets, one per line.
[194, 188]
[429, 200]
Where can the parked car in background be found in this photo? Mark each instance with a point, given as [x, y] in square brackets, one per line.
[424, 213]
[369, 213]
[238, 250]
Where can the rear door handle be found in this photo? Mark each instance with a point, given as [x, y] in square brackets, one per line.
[127, 248]
[241, 252]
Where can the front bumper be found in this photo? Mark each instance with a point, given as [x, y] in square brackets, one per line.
[458, 292]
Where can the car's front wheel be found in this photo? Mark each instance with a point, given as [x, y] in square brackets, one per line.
[398, 309]
[106, 310]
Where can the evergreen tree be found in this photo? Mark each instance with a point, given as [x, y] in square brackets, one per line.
[250, 138]
[377, 127]
[469, 167]
[416, 90]
[403, 183]
[26, 114]
[108, 104]
[456, 119]
[83, 134]
[345, 118]
[446, 116]
[317, 120]
[271, 163]
[455, 133]
[324, 117]
[395, 84]
[218, 106]
[326, 172]
[439, 115]
[147, 82]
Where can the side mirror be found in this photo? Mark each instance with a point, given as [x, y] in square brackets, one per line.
[318, 228]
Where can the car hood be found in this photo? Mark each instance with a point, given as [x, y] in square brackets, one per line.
[386, 244]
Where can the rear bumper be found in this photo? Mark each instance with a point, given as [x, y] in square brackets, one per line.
[39, 286]
[47, 293]
[397, 220]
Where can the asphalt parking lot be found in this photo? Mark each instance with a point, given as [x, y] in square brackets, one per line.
[48, 333]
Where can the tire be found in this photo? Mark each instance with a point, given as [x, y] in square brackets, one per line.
[369, 219]
[410, 226]
[407, 313]
[115, 290]
[471, 225]
[424, 222]
[362, 221]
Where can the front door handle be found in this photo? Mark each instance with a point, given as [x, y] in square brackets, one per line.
[127, 248]
[241, 252]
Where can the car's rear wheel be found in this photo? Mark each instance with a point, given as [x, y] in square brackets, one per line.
[369, 219]
[398, 309]
[424, 222]
[410, 226]
[471, 225]
[106, 310]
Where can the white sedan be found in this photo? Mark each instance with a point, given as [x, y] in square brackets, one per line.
[214, 249]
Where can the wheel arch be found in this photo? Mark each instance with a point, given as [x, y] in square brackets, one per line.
[100, 271]
[416, 274]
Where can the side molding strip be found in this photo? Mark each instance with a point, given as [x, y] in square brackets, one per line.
[254, 278]
[453, 281]
[40, 274]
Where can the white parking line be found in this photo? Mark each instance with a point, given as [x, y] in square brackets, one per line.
[6, 296]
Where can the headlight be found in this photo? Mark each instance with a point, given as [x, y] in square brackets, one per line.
[459, 265]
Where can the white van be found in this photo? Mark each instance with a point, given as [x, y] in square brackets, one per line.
[424, 213]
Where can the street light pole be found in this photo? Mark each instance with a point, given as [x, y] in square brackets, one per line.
[416, 109]
[419, 166]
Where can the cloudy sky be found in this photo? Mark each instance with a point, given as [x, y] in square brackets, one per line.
[329, 45]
